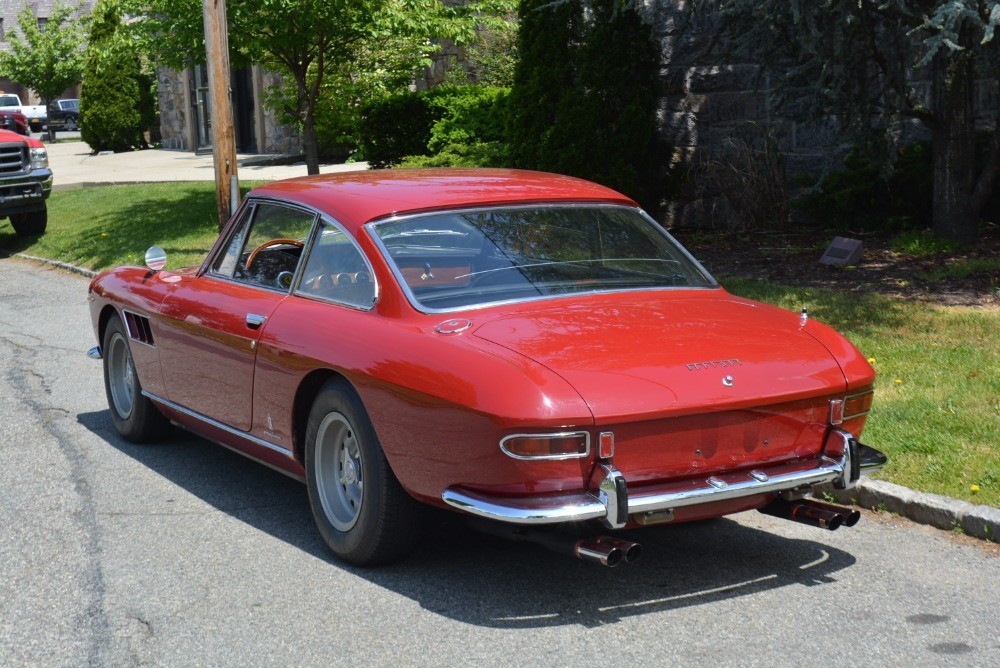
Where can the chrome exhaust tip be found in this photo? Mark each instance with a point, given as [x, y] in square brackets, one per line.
[593, 549]
[851, 515]
[630, 551]
[804, 513]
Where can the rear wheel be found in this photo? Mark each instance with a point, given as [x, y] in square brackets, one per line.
[361, 510]
[30, 224]
[134, 416]
[70, 124]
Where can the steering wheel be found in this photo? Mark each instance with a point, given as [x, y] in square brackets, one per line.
[268, 244]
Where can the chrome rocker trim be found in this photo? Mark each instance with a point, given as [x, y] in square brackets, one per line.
[614, 504]
[95, 353]
[219, 425]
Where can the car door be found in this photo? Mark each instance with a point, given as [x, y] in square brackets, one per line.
[211, 322]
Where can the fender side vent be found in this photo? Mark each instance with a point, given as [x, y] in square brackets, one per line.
[138, 328]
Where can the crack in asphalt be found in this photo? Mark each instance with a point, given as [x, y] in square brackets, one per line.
[28, 385]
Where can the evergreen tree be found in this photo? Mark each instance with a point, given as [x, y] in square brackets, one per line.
[117, 104]
[585, 95]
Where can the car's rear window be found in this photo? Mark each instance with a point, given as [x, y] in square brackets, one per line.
[472, 258]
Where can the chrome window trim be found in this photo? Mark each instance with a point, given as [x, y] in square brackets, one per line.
[854, 396]
[252, 204]
[371, 226]
[325, 219]
[218, 425]
[128, 333]
[561, 434]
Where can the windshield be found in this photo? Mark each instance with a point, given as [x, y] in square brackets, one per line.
[473, 258]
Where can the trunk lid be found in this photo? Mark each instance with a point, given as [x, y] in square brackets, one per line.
[672, 354]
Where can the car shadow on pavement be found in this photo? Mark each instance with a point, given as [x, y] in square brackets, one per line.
[487, 581]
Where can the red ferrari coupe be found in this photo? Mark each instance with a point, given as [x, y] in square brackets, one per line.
[528, 349]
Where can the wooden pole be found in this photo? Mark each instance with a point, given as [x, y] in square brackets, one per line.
[223, 134]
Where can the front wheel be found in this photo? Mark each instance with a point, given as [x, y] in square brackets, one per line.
[30, 224]
[361, 510]
[134, 416]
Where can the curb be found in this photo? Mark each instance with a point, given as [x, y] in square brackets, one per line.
[924, 508]
[935, 510]
[89, 273]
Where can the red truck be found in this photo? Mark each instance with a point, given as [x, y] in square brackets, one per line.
[25, 183]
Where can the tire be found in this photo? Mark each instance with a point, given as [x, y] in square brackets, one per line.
[70, 125]
[134, 416]
[36, 127]
[30, 224]
[363, 513]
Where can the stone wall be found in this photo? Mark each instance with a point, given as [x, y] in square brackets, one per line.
[706, 104]
[173, 96]
[278, 138]
[176, 124]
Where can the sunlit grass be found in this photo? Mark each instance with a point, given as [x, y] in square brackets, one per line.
[937, 396]
[106, 226]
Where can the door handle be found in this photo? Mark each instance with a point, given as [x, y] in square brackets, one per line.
[254, 321]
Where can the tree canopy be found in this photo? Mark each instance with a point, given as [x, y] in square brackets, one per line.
[312, 43]
[49, 60]
[861, 61]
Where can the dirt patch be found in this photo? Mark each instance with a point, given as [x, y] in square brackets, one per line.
[955, 278]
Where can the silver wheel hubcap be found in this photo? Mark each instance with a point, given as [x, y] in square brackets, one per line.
[339, 471]
[121, 376]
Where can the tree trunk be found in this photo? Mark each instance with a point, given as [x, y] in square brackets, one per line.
[956, 215]
[309, 142]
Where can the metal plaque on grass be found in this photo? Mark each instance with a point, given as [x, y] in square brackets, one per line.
[843, 252]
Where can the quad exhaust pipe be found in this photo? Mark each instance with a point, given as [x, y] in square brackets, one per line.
[603, 550]
[607, 551]
[813, 512]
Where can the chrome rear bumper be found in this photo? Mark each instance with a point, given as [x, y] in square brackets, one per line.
[613, 503]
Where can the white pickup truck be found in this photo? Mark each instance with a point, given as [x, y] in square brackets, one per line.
[36, 114]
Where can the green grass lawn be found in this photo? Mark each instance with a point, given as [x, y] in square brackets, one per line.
[107, 226]
[937, 395]
[937, 405]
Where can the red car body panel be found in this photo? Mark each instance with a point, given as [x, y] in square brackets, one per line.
[649, 365]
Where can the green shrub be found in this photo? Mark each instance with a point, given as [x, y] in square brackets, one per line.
[476, 154]
[117, 104]
[470, 115]
[455, 120]
[397, 125]
[864, 197]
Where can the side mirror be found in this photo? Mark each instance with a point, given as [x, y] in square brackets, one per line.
[156, 258]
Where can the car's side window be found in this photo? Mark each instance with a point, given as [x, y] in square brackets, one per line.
[337, 271]
[267, 245]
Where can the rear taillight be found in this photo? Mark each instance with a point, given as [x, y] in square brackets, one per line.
[565, 445]
[858, 404]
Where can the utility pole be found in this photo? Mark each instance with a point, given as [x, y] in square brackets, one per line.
[227, 192]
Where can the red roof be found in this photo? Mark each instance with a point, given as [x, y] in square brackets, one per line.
[355, 198]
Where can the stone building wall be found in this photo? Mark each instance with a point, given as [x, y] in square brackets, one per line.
[278, 138]
[173, 97]
[706, 103]
[177, 126]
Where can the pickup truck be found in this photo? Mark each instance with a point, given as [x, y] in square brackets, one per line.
[64, 114]
[25, 183]
[15, 122]
[37, 114]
